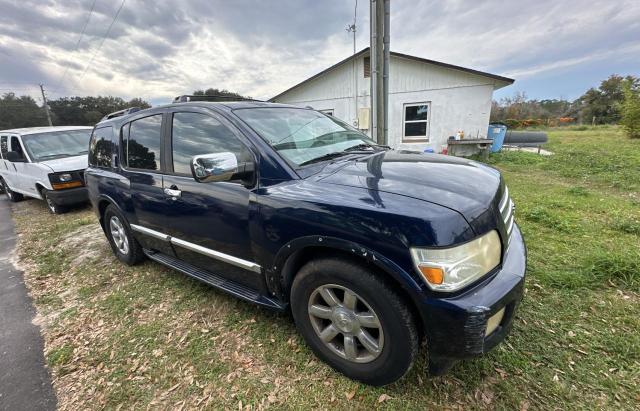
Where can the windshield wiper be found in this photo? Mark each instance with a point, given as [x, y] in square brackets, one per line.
[364, 146]
[324, 157]
[62, 155]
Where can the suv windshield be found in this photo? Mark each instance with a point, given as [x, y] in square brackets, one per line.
[304, 136]
[57, 144]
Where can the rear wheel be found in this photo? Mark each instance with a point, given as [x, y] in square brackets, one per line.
[123, 244]
[354, 321]
[53, 207]
[13, 196]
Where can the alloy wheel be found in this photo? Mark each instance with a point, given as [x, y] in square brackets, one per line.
[346, 323]
[119, 235]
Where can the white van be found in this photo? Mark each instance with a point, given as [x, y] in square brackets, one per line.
[46, 163]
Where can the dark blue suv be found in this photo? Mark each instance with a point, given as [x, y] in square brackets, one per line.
[372, 250]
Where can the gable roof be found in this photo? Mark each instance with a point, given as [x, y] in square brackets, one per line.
[404, 56]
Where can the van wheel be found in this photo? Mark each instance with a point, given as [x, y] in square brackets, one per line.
[53, 207]
[13, 196]
[123, 244]
[354, 321]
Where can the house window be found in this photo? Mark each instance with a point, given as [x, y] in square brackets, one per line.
[367, 67]
[416, 122]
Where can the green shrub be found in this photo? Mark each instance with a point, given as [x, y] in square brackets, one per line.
[61, 355]
[578, 191]
[631, 111]
[618, 268]
[628, 226]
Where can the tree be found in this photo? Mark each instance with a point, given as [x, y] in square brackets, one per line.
[219, 95]
[631, 109]
[602, 105]
[23, 111]
[89, 110]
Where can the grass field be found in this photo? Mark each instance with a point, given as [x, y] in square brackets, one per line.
[148, 337]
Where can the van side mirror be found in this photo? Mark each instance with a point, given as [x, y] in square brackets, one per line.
[224, 166]
[15, 157]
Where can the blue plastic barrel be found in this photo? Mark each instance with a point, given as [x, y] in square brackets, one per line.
[496, 133]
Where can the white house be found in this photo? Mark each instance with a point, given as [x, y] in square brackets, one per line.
[428, 100]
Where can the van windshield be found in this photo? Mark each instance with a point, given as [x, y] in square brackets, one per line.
[304, 136]
[57, 144]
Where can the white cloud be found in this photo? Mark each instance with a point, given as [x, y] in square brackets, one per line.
[161, 49]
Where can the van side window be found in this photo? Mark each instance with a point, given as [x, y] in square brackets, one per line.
[4, 148]
[102, 147]
[194, 134]
[15, 146]
[143, 143]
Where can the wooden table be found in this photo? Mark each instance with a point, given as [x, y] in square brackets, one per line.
[470, 146]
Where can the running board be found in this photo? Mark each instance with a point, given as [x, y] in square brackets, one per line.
[221, 283]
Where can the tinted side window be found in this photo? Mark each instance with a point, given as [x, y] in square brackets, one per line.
[102, 147]
[194, 134]
[4, 147]
[143, 145]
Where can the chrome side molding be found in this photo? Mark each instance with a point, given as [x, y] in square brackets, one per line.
[151, 233]
[238, 262]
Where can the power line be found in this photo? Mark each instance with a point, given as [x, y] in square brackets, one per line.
[86, 23]
[103, 39]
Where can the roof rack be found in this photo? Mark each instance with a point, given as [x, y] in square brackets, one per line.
[210, 97]
[121, 113]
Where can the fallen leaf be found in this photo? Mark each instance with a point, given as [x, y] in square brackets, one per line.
[350, 395]
[383, 398]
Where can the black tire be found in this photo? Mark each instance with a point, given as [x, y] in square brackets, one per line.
[12, 195]
[133, 254]
[397, 334]
[51, 205]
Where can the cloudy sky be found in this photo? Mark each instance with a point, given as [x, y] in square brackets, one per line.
[160, 49]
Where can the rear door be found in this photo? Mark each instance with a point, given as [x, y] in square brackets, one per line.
[210, 220]
[142, 166]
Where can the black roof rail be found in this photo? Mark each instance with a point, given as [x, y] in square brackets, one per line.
[121, 113]
[210, 97]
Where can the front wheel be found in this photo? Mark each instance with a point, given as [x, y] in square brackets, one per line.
[354, 321]
[52, 206]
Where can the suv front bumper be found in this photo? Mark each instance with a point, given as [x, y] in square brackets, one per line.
[456, 325]
[69, 196]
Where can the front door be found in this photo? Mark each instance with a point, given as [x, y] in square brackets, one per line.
[142, 166]
[17, 171]
[210, 221]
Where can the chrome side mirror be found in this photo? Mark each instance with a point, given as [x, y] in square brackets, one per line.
[212, 167]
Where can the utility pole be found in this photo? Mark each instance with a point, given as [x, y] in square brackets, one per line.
[385, 70]
[46, 105]
[379, 101]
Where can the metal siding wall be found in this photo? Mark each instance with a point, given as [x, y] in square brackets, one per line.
[459, 100]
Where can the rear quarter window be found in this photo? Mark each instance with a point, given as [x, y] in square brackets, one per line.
[102, 148]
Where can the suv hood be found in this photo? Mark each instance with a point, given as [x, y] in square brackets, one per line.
[67, 163]
[462, 185]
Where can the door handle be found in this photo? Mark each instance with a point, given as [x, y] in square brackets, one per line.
[172, 192]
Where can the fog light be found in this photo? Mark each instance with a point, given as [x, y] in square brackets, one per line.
[494, 322]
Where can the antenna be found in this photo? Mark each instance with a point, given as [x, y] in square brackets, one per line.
[351, 28]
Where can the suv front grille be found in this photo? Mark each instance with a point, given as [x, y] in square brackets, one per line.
[507, 212]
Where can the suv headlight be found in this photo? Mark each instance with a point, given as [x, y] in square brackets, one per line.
[449, 269]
